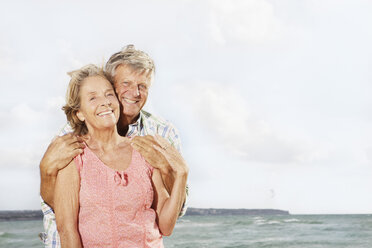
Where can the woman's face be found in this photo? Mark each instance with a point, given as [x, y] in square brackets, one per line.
[99, 107]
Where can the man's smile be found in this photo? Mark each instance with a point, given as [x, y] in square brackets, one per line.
[129, 101]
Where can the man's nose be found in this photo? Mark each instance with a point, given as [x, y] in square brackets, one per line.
[134, 90]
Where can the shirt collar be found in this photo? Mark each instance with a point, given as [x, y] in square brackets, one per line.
[134, 129]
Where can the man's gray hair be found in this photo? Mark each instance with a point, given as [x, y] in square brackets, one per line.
[138, 60]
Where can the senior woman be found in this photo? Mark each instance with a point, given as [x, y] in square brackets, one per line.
[109, 196]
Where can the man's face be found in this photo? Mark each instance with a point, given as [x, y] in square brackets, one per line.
[132, 90]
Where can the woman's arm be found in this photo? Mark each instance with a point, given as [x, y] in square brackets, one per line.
[144, 145]
[163, 156]
[168, 206]
[66, 206]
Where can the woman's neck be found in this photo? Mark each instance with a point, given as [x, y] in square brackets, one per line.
[103, 140]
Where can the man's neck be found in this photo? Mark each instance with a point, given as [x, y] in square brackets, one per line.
[124, 122]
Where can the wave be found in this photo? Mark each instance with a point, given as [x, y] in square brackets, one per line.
[196, 224]
[7, 235]
[183, 221]
[286, 221]
[260, 222]
[313, 222]
[273, 222]
[238, 223]
[270, 222]
[241, 222]
[291, 220]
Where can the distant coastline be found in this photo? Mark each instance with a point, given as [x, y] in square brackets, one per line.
[240, 211]
[21, 215]
[38, 215]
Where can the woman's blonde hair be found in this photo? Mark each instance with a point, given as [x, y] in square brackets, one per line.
[73, 95]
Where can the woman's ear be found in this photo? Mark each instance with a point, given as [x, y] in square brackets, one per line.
[80, 116]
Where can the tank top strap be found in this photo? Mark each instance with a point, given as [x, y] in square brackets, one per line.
[139, 156]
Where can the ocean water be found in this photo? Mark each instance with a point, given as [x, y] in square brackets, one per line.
[293, 231]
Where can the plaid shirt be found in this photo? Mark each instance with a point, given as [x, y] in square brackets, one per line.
[147, 124]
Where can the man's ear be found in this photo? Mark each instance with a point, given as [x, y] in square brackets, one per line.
[80, 116]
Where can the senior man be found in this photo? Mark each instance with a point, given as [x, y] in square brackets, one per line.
[131, 72]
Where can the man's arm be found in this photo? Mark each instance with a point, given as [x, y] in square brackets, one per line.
[59, 154]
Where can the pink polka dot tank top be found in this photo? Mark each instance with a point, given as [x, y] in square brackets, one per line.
[115, 207]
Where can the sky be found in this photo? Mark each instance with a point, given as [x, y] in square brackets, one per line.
[271, 98]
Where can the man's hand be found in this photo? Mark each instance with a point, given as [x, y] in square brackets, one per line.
[158, 152]
[145, 146]
[58, 155]
[172, 156]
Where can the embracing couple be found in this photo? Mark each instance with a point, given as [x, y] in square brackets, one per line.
[115, 176]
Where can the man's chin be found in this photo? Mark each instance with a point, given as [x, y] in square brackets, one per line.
[130, 114]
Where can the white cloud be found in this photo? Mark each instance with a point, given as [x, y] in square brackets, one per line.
[227, 117]
[66, 52]
[23, 156]
[26, 131]
[25, 114]
[6, 60]
[247, 21]
[54, 103]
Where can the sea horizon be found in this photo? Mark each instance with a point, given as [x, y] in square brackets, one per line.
[35, 214]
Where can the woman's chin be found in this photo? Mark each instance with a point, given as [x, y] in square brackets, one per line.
[109, 125]
[104, 125]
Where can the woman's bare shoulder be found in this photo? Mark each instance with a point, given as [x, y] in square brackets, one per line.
[124, 143]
